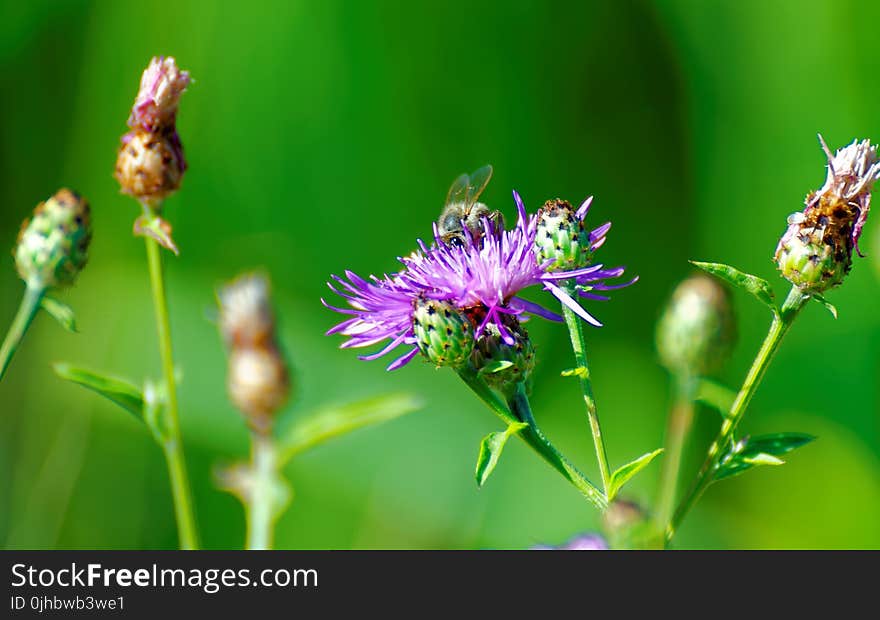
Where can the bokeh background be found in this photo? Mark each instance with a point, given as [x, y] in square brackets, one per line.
[323, 136]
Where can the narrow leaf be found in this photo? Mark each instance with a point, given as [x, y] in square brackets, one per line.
[490, 451]
[776, 444]
[333, 421]
[621, 476]
[715, 395]
[496, 366]
[121, 392]
[61, 312]
[828, 305]
[760, 450]
[755, 286]
[581, 372]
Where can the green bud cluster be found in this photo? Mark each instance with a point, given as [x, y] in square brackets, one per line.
[53, 245]
[561, 237]
[516, 361]
[697, 331]
[444, 335]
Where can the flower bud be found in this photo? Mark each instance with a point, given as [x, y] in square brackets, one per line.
[258, 384]
[516, 353]
[246, 318]
[258, 380]
[155, 106]
[150, 166]
[53, 245]
[697, 330]
[444, 335]
[561, 237]
[629, 526]
[815, 253]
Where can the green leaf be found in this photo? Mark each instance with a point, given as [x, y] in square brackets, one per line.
[333, 421]
[496, 366]
[755, 286]
[121, 392]
[59, 311]
[582, 372]
[760, 450]
[490, 451]
[715, 395]
[626, 472]
[828, 305]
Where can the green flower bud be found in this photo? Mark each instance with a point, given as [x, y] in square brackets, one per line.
[504, 365]
[562, 237]
[445, 336]
[814, 259]
[53, 245]
[697, 330]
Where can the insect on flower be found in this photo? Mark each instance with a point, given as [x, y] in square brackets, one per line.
[462, 211]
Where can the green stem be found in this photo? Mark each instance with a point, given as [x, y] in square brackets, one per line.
[778, 328]
[30, 304]
[680, 419]
[579, 346]
[260, 504]
[172, 446]
[533, 436]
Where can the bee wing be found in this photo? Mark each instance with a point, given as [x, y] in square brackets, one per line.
[479, 179]
[459, 190]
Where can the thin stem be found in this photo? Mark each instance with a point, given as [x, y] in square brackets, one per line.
[579, 346]
[680, 419]
[778, 328]
[30, 304]
[260, 504]
[172, 446]
[520, 411]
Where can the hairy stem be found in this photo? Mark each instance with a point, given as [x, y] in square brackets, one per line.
[30, 304]
[520, 411]
[579, 346]
[260, 503]
[172, 446]
[778, 328]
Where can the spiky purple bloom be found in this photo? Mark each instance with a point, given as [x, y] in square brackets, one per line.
[155, 106]
[483, 279]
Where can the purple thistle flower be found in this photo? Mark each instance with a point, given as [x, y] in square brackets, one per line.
[381, 309]
[482, 278]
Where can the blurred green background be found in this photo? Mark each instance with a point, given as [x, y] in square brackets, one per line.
[323, 136]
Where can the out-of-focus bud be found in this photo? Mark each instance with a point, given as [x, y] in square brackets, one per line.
[258, 384]
[149, 165]
[53, 245]
[629, 526]
[562, 237]
[697, 330]
[246, 318]
[815, 253]
[444, 336]
[513, 353]
[155, 106]
[258, 380]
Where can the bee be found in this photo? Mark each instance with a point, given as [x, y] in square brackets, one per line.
[462, 209]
